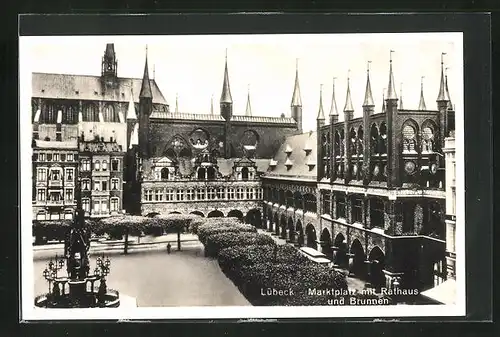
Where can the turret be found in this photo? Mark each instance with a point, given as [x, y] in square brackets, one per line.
[109, 67]
[392, 146]
[320, 119]
[296, 105]
[368, 109]
[145, 109]
[226, 101]
[442, 105]
[421, 103]
[334, 113]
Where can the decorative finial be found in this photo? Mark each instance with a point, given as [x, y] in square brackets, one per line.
[446, 71]
[368, 66]
[146, 50]
[297, 63]
[442, 54]
[226, 55]
[154, 71]
[390, 55]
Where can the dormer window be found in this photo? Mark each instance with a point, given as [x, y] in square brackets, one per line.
[308, 148]
[273, 163]
[288, 164]
[311, 163]
[288, 149]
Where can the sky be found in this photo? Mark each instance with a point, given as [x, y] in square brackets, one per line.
[192, 67]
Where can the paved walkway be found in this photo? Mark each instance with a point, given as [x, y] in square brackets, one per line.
[155, 278]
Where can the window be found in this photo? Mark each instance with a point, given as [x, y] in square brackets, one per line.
[201, 194]
[41, 157]
[86, 205]
[376, 213]
[357, 210]
[170, 195]
[85, 165]
[164, 173]
[55, 174]
[69, 174]
[341, 207]
[69, 157]
[211, 194]
[41, 195]
[159, 195]
[85, 184]
[56, 157]
[326, 202]
[249, 193]
[220, 193]
[115, 164]
[244, 173]
[41, 174]
[104, 185]
[104, 206]
[97, 165]
[409, 141]
[148, 195]
[49, 156]
[189, 195]
[104, 165]
[69, 194]
[97, 206]
[180, 195]
[230, 193]
[115, 184]
[114, 205]
[63, 157]
[97, 185]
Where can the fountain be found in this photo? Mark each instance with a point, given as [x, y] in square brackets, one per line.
[77, 289]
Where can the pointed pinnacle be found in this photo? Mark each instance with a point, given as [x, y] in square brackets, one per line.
[391, 91]
[368, 91]
[226, 90]
[421, 104]
[296, 99]
[321, 114]
[348, 101]
[333, 106]
[442, 95]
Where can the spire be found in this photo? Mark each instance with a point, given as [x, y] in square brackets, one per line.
[296, 100]
[401, 96]
[442, 85]
[348, 102]
[333, 106]
[225, 97]
[383, 100]
[110, 50]
[146, 85]
[421, 104]
[248, 111]
[321, 114]
[212, 105]
[131, 106]
[391, 91]
[154, 71]
[176, 103]
[448, 98]
[368, 92]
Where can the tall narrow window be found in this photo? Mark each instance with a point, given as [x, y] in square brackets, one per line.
[341, 212]
[104, 165]
[97, 165]
[357, 210]
[114, 204]
[86, 205]
[69, 194]
[377, 213]
[115, 164]
[41, 194]
[41, 174]
[115, 184]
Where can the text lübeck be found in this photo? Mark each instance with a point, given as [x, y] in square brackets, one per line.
[276, 292]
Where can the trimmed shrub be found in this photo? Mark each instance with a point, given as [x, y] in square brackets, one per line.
[216, 242]
[45, 230]
[207, 222]
[207, 230]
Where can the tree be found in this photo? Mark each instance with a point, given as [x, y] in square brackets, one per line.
[174, 223]
[125, 225]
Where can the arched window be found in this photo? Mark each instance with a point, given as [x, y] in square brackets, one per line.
[336, 146]
[352, 141]
[210, 173]
[244, 173]
[342, 142]
[201, 173]
[110, 114]
[374, 139]
[164, 173]
[360, 141]
[428, 136]
[49, 113]
[70, 114]
[97, 165]
[90, 113]
[409, 133]
[383, 138]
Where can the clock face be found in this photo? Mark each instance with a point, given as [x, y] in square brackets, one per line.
[410, 167]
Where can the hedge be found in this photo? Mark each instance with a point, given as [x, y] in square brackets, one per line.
[209, 229]
[212, 222]
[45, 230]
[215, 242]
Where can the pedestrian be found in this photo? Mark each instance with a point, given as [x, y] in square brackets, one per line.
[169, 246]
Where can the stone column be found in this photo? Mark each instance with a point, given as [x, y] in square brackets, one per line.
[334, 205]
[367, 212]
[368, 271]
[350, 259]
[348, 208]
[389, 217]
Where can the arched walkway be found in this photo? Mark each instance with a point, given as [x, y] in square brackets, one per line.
[235, 214]
[377, 259]
[215, 214]
[311, 236]
[254, 218]
[174, 213]
[291, 230]
[198, 213]
[300, 233]
[326, 243]
[152, 214]
[357, 260]
[340, 257]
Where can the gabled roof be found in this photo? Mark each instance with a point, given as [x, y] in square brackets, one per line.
[89, 87]
[298, 158]
[47, 144]
[98, 146]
